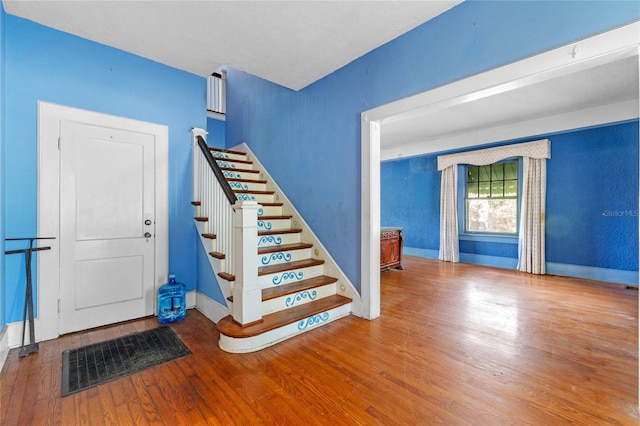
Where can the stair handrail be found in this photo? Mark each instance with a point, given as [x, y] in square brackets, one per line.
[228, 192]
[217, 203]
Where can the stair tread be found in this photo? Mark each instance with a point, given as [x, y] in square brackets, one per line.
[233, 160]
[227, 151]
[209, 236]
[273, 292]
[280, 231]
[270, 322]
[231, 169]
[284, 247]
[288, 266]
[246, 180]
[196, 203]
[227, 276]
[253, 191]
[201, 219]
[217, 255]
[274, 217]
[283, 290]
[271, 204]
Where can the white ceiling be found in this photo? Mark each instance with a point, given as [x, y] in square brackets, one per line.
[295, 43]
[292, 43]
[609, 84]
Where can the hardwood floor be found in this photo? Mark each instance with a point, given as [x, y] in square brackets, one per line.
[456, 344]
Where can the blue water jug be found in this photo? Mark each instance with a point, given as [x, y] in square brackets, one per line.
[171, 301]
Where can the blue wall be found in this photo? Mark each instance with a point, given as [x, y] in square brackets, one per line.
[592, 213]
[217, 130]
[2, 262]
[592, 200]
[310, 140]
[52, 66]
[207, 280]
[410, 198]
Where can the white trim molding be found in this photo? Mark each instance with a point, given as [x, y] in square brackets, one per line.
[600, 49]
[4, 346]
[48, 273]
[210, 308]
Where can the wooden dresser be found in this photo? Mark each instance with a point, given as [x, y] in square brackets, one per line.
[390, 248]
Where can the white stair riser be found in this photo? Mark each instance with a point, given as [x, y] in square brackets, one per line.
[297, 299]
[213, 243]
[239, 174]
[273, 224]
[287, 277]
[261, 341]
[229, 164]
[248, 186]
[283, 257]
[260, 198]
[228, 156]
[278, 239]
[270, 211]
[201, 227]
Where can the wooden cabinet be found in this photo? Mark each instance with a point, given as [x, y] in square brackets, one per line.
[390, 248]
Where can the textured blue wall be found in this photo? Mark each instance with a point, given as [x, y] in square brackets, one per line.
[2, 262]
[410, 198]
[310, 140]
[592, 213]
[207, 280]
[592, 200]
[216, 136]
[52, 66]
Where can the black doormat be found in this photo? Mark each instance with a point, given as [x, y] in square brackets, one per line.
[92, 365]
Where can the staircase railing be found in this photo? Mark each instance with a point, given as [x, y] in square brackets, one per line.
[235, 225]
[216, 201]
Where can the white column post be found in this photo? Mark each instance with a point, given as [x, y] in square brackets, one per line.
[247, 294]
[196, 131]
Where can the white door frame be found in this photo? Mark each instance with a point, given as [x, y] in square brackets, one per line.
[48, 271]
[596, 50]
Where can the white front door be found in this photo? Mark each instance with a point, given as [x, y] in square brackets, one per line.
[107, 217]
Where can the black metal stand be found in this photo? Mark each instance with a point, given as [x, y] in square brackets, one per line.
[28, 300]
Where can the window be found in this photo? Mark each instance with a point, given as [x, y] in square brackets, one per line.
[491, 198]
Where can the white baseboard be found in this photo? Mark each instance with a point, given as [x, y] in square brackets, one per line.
[14, 333]
[191, 299]
[210, 308]
[4, 346]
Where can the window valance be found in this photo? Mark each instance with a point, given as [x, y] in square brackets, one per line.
[480, 157]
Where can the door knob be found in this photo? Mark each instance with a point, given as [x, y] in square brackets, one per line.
[147, 234]
[147, 222]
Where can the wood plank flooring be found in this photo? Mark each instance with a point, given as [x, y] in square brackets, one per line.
[455, 345]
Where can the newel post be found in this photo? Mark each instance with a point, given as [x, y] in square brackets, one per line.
[247, 294]
[196, 131]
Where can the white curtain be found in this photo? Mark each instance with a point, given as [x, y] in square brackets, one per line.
[531, 239]
[449, 215]
[532, 216]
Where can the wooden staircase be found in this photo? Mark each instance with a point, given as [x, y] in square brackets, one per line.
[297, 296]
